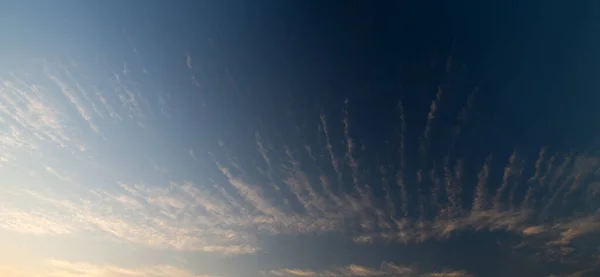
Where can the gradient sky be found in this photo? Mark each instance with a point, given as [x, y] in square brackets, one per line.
[299, 138]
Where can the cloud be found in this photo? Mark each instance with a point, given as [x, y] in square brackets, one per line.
[424, 141]
[68, 93]
[180, 217]
[575, 274]
[52, 171]
[571, 229]
[533, 230]
[332, 157]
[11, 140]
[353, 270]
[400, 181]
[188, 60]
[292, 272]
[160, 169]
[228, 216]
[461, 273]
[362, 189]
[30, 111]
[12, 271]
[35, 222]
[62, 268]
[192, 154]
[479, 201]
[54, 106]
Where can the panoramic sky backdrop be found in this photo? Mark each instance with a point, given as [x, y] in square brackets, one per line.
[299, 138]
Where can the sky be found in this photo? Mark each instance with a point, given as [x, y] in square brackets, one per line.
[299, 139]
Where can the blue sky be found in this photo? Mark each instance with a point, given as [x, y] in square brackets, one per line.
[288, 139]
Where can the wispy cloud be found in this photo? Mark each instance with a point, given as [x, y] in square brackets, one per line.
[332, 157]
[353, 270]
[400, 172]
[52, 171]
[192, 154]
[181, 217]
[31, 112]
[463, 117]
[424, 144]
[13, 271]
[69, 94]
[292, 272]
[364, 194]
[62, 268]
[35, 222]
[575, 228]
[506, 179]
[479, 202]
[538, 180]
[449, 273]
[452, 186]
[188, 60]
[160, 169]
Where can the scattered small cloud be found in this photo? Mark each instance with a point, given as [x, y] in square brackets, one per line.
[52, 171]
[188, 60]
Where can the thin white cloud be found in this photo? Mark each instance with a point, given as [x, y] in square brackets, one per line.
[463, 117]
[13, 271]
[351, 270]
[264, 153]
[506, 179]
[12, 139]
[334, 161]
[192, 154]
[251, 195]
[28, 108]
[68, 93]
[353, 163]
[163, 105]
[188, 60]
[424, 144]
[301, 187]
[292, 272]
[389, 202]
[435, 189]
[160, 169]
[449, 273]
[400, 173]
[130, 102]
[180, 217]
[542, 181]
[52, 171]
[452, 185]
[538, 166]
[479, 201]
[63, 268]
[35, 222]
[581, 168]
[108, 107]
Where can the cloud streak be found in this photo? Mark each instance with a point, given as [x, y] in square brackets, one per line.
[62, 268]
[354, 270]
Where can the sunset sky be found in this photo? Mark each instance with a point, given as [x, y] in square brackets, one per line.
[299, 138]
